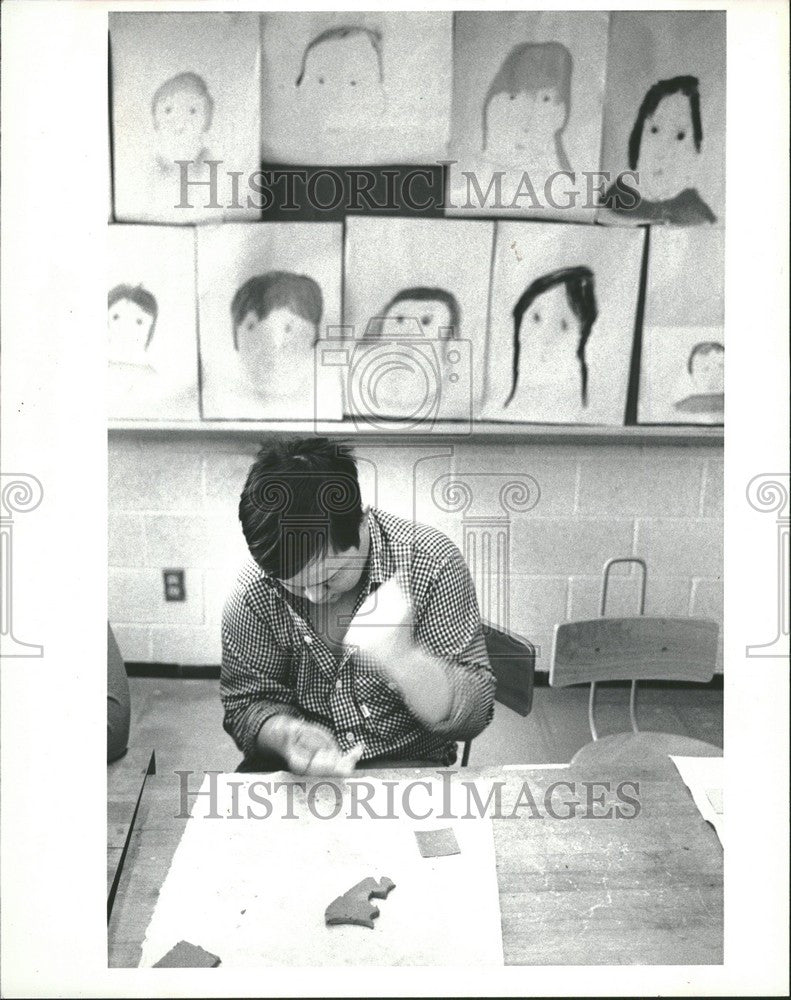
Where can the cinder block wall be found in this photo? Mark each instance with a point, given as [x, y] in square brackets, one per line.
[173, 498]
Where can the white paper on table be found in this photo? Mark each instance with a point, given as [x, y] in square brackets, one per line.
[704, 777]
[254, 892]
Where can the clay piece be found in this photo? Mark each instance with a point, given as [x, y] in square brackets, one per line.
[437, 843]
[188, 956]
[355, 906]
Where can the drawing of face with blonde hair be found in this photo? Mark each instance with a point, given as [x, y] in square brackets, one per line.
[181, 110]
[341, 78]
[527, 108]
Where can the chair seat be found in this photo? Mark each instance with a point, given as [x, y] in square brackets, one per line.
[645, 751]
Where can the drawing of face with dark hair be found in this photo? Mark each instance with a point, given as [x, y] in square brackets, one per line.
[553, 319]
[435, 310]
[276, 319]
[182, 111]
[667, 151]
[704, 391]
[131, 319]
[341, 78]
[707, 367]
[528, 105]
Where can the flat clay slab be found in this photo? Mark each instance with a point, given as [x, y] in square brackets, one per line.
[437, 843]
[188, 956]
[355, 906]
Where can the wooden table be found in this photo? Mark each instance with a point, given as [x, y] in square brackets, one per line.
[126, 778]
[573, 891]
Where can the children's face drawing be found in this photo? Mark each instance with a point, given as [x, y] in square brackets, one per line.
[708, 372]
[181, 120]
[527, 120]
[548, 340]
[433, 318]
[667, 150]
[342, 79]
[128, 328]
[263, 343]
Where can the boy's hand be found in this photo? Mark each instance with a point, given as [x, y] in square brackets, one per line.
[308, 748]
[383, 625]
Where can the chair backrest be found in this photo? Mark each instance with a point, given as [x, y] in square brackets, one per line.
[513, 663]
[628, 649]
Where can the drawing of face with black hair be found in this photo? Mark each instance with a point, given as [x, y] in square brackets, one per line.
[553, 319]
[131, 318]
[527, 107]
[665, 142]
[706, 371]
[276, 319]
[181, 110]
[341, 78]
[436, 312]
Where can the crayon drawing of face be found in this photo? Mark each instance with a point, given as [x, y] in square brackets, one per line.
[706, 367]
[341, 78]
[704, 392]
[553, 319]
[665, 142]
[527, 106]
[131, 319]
[276, 319]
[182, 111]
[432, 311]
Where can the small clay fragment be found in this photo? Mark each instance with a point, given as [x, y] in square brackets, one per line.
[437, 843]
[355, 906]
[188, 956]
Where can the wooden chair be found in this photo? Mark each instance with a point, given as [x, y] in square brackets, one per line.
[638, 648]
[513, 662]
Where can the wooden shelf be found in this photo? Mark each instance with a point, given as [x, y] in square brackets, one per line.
[561, 433]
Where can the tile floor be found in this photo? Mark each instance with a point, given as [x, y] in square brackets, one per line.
[181, 718]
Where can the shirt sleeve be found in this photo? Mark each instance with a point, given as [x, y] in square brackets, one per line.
[254, 675]
[448, 626]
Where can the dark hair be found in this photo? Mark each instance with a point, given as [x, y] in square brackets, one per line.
[300, 498]
[686, 85]
[374, 37]
[185, 81]
[264, 293]
[704, 347]
[581, 296]
[420, 293]
[141, 298]
[528, 67]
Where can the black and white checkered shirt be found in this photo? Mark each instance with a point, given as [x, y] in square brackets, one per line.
[274, 662]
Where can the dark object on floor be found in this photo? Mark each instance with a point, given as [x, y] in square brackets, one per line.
[188, 956]
[118, 706]
[355, 906]
[437, 843]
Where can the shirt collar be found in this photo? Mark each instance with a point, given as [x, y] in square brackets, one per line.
[380, 559]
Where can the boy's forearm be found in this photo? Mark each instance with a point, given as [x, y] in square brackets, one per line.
[422, 681]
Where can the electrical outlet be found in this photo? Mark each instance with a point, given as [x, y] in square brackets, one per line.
[174, 584]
